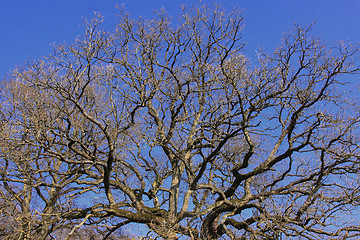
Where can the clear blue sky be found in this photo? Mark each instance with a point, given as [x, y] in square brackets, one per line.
[30, 27]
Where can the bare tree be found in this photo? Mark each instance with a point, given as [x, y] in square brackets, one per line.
[171, 126]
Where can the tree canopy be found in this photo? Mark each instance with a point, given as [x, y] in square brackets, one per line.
[166, 123]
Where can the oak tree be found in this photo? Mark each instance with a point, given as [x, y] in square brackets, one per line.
[166, 123]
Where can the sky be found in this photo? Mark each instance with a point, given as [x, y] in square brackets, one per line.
[30, 28]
